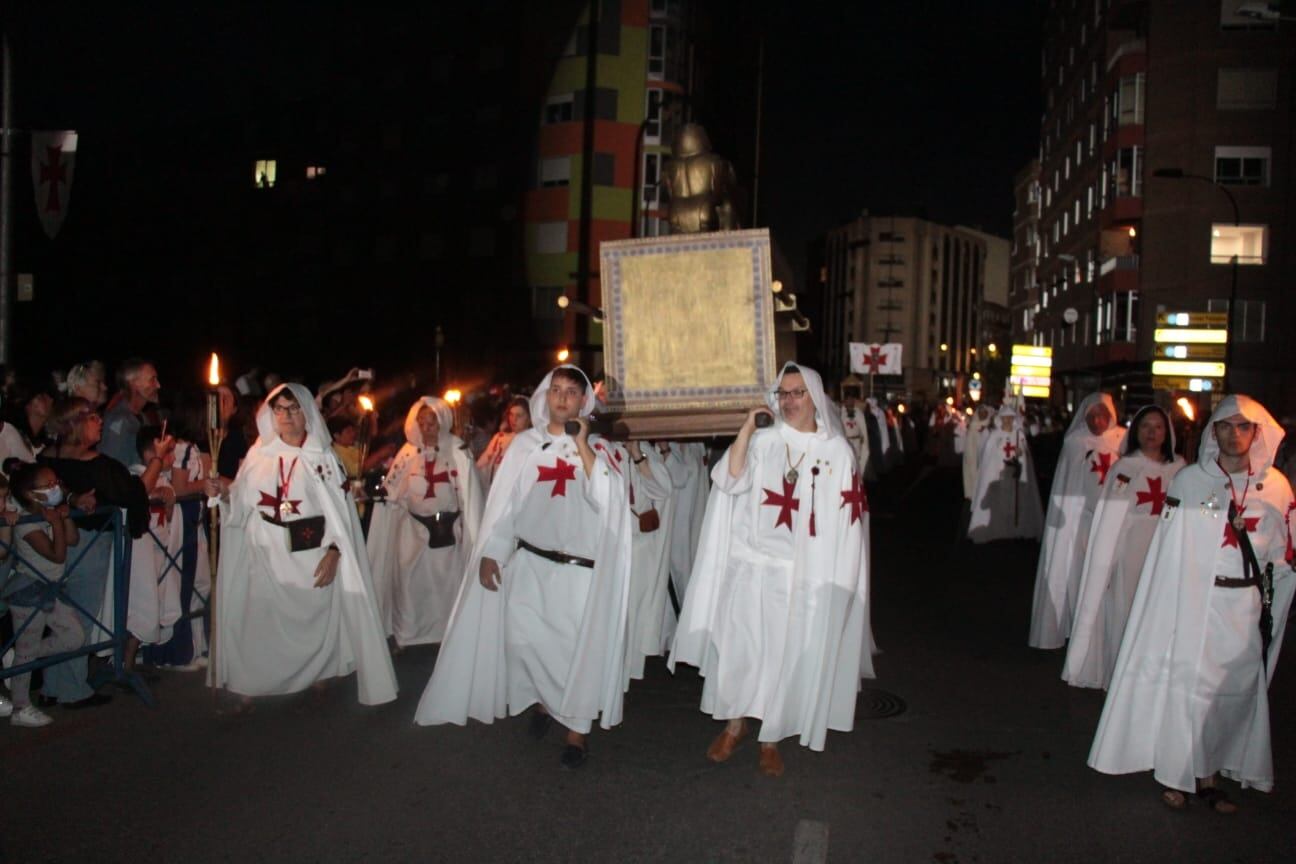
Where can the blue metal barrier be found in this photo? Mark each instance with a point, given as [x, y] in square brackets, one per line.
[117, 636]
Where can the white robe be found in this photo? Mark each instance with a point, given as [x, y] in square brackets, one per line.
[776, 616]
[1189, 695]
[650, 559]
[691, 481]
[1004, 508]
[153, 593]
[276, 632]
[1082, 467]
[975, 435]
[552, 633]
[856, 432]
[1125, 519]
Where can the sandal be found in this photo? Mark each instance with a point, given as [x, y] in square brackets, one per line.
[1216, 799]
[1174, 799]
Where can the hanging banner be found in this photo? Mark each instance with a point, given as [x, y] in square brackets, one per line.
[875, 359]
[53, 157]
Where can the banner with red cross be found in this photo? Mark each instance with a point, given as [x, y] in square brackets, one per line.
[53, 158]
[872, 358]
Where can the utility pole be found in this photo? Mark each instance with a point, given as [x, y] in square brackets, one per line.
[6, 205]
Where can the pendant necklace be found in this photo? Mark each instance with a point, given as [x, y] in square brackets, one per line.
[1239, 522]
[285, 506]
[792, 475]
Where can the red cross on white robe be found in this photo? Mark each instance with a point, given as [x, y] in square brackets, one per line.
[1230, 533]
[558, 474]
[856, 497]
[433, 478]
[160, 511]
[785, 502]
[1100, 465]
[874, 360]
[1154, 496]
[1010, 449]
[273, 502]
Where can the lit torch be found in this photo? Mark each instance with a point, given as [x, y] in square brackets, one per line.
[215, 437]
[366, 423]
[452, 398]
[1186, 406]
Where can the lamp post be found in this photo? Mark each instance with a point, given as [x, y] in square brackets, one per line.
[1180, 174]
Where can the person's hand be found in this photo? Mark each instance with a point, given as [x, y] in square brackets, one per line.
[51, 515]
[165, 449]
[167, 494]
[63, 510]
[85, 502]
[489, 574]
[635, 452]
[12, 517]
[326, 570]
[582, 437]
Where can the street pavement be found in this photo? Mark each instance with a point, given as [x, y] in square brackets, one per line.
[984, 763]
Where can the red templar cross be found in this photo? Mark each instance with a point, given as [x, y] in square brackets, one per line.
[856, 497]
[1154, 496]
[272, 501]
[433, 478]
[54, 171]
[1100, 465]
[1010, 450]
[785, 502]
[1230, 533]
[875, 360]
[559, 474]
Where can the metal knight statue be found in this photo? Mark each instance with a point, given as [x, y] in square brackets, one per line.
[702, 185]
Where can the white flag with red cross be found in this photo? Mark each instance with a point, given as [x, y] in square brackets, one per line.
[53, 157]
[872, 358]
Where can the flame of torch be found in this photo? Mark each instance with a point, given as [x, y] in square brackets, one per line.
[453, 396]
[213, 371]
[1186, 407]
[366, 403]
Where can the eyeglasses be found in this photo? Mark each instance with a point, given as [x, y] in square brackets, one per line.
[286, 410]
[1243, 428]
[799, 393]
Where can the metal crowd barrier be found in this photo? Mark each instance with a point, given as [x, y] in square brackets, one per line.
[188, 548]
[115, 670]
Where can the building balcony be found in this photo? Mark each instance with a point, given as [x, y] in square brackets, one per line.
[1123, 210]
[1119, 273]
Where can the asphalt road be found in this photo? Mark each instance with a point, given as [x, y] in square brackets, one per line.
[986, 763]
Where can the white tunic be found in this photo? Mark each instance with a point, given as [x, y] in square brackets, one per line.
[776, 616]
[153, 605]
[1003, 506]
[1125, 519]
[276, 632]
[1082, 469]
[649, 556]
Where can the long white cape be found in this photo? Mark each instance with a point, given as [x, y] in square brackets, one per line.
[1003, 507]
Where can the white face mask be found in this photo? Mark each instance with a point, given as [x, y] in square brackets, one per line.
[50, 497]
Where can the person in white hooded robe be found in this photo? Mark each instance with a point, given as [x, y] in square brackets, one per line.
[1124, 520]
[541, 614]
[422, 532]
[1006, 503]
[1089, 449]
[686, 462]
[290, 620]
[1189, 696]
[980, 423]
[776, 617]
[652, 506]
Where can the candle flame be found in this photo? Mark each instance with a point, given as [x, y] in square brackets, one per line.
[366, 403]
[453, 396]
[1187, 408]
[213, 371]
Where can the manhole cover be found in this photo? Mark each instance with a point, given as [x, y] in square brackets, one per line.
[877, 704]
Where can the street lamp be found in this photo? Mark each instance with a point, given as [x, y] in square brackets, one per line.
[1180, 174]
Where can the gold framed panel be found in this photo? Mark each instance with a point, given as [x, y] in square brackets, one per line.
[689, 324]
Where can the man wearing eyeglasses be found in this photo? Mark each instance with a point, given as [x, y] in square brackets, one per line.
[776, 616]
[1189, 696]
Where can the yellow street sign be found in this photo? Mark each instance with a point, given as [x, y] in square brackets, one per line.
[1188, 368]
[1192, 319]
[1182, 335]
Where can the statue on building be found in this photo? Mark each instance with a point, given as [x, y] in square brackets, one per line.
[702, 185]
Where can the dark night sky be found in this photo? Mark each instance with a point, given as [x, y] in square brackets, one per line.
[917, 108]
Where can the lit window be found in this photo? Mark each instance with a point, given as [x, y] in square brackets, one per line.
[264, 173]
[1242, 166]
[315, 171]
[1248, 243]
[1130, 99]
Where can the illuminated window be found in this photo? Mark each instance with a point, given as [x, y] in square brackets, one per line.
[1249, 243]
[1131, 96]
[555, 172]
[264, 173]
[315, 171]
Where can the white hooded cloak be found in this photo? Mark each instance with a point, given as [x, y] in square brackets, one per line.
[552, 633]
[776, 616]
[1189, 695]
[1004, 507]
[417, 585]
[277, 633]
[1082, 468]
[1124, 521]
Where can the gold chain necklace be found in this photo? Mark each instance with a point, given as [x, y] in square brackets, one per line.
[792, 475]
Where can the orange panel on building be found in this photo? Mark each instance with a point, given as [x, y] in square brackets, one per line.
[547, 205]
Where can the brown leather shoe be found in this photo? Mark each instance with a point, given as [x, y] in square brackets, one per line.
[724, 745]
[771, 763]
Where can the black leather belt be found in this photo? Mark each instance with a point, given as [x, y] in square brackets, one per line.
[1225, 582]
[556, 557]
[440, 528]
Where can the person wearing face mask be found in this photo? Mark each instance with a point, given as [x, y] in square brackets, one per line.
[31, 590]
[1189, 695]
[541, 615]
[295, 605]
[425, 527]
[1090, 448]
[1124, 520]
[776, 616]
